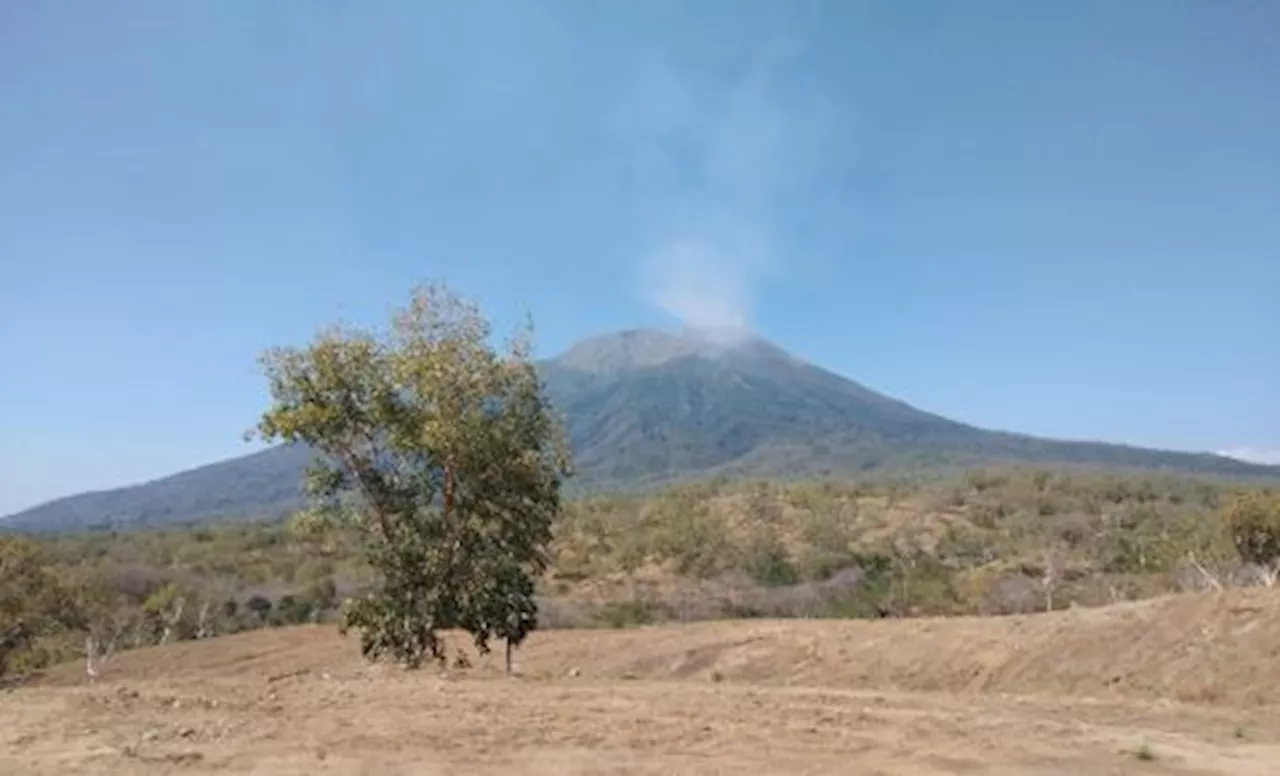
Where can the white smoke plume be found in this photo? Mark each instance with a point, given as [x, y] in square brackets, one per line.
[737, 140]
[704, 285]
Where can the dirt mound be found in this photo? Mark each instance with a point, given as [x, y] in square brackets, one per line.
[1209, 649]
[917, 698]
[1219, 648]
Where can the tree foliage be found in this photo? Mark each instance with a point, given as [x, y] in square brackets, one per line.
[1254, 522]
[444, 453]
[32, 604]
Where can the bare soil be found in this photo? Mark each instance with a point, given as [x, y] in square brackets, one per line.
[1179, 685]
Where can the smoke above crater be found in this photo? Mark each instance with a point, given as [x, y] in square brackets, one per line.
[704, 286]
[728, 141]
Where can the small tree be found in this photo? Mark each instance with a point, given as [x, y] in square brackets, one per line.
[165, 607]
[1051, 577]
[443, 454]
[32, 604]
[260, 605]
[292, 610]
[319, 597]
[1254, 522]
[106, 615]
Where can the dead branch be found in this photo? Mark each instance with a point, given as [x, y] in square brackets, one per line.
[1210, 578]
[204, 625]
[172, 620]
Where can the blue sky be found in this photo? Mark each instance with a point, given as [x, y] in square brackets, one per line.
[1058, 218]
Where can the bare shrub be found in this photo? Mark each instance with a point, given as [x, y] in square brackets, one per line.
[563, 613]
[1013, 594]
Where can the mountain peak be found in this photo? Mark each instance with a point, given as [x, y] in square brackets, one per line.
[633, 349]
[643, 407]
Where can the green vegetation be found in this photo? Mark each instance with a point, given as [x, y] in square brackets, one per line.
[1254, 522]
[991, 541]
[441, 458]
[33, 606]
[1143, 752]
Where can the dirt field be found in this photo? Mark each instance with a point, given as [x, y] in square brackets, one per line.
[1187, 685]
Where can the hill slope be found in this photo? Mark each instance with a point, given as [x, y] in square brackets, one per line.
[1211, 648]
[1061, 694]
[260, 485]
[646, 407]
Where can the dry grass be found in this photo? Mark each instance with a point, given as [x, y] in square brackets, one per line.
[1073, 692]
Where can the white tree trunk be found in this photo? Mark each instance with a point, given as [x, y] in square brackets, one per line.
[1208, 578]
[204, 626]
[1050, 580]
[172, 620]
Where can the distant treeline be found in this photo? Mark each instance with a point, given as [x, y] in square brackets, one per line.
[993, 541]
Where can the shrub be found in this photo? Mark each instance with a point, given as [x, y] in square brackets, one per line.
[766, 561]
[1254, 522]
[292, 610]
[691, 536]
[828, 539]
[32, 605]
[260, 605]
[624, 614]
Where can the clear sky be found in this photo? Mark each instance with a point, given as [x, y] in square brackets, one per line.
[1057, 218]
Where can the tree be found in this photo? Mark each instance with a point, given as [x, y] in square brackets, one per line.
[165, 608]
[292, 610]
[106, 615]
[260, 605]
[444, 456]
[1254, 522]
[318, 597]
[33, 604]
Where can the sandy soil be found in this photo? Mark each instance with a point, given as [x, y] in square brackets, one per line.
[1187, 685]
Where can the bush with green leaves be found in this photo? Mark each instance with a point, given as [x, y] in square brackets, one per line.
[1253, 520]
[680, 528]
[33, 605]
[765, 560]
[444, 456]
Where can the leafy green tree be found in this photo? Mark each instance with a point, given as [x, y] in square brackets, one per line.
[33, 604]
[443, 454]
[1254, 522]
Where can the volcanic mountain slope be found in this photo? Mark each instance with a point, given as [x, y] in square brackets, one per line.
[646, 407]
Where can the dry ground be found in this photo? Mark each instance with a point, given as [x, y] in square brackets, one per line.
[1187, 685]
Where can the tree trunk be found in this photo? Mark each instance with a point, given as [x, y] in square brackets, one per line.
[1049, 581]
[90, 651]
[448, 490]
[172, 620]
[204, 627]
[508, 657]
